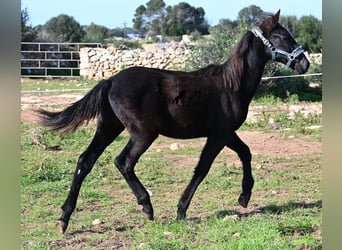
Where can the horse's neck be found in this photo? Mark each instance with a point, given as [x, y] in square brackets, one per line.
[243, 70]
[254, 65]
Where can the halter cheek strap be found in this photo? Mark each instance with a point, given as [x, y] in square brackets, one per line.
[290, 56]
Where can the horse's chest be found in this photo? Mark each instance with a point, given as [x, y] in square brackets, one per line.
[235, 109]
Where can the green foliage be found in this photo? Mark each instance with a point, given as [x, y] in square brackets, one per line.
[215, 49]
[148, 19]
[291, 88]
[249, 14]
[310, 34]
[28, 34]
[184, 19]
[62, 28]
[94, 33]
[157, 19]
[291, 23]
[139, 21]
[307, 30]
[126, 44]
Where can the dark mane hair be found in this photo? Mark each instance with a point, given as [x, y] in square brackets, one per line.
[235, 67]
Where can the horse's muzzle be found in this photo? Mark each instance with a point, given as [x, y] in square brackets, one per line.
[301, 64]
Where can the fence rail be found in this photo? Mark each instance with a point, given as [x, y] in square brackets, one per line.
[52, 59]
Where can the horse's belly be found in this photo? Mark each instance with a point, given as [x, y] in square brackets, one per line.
[183, 123]
[182, 133]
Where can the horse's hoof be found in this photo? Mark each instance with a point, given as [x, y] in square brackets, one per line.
[148, 213]
[61, 226]
[244, 199]
[149, 216]
[180, 218]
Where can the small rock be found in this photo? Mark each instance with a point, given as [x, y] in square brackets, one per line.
[315, 127]
[231, 217]
[174, 146]
[96, 222]
[167, 233]
[236, 235]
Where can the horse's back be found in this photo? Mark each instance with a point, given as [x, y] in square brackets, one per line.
[173, 103]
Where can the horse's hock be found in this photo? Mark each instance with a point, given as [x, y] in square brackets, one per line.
[99, 63]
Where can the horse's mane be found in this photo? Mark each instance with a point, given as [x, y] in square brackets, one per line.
[210, 70]
[236, 66]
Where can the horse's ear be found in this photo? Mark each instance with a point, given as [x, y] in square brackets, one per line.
[270, 21]
[276, 17]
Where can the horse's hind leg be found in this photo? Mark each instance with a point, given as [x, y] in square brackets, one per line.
[126, 161]
[106, 132]
[236, 144]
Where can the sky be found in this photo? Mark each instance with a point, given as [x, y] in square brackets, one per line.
[113, 14]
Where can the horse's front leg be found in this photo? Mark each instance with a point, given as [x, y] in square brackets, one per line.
[211, 149]
[236, 144]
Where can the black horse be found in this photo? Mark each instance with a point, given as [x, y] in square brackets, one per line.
[211, 102]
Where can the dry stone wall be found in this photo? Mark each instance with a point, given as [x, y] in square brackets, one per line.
[99, 63]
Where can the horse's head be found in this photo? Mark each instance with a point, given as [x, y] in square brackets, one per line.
[280, 45]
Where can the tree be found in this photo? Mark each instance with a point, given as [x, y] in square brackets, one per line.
[95, 33]
[156, 19]
[216, 49]
[62, 28]
[28, 34]
[184, 19]
[249, 14]
[291, 23]
[148, 19]
[310, 33]
[139, 21]
[228, 24]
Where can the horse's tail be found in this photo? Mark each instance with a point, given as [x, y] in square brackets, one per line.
[86, 109]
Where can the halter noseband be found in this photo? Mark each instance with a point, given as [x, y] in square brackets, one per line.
[290, 56]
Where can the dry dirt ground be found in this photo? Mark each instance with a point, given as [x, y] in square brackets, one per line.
[261, 143]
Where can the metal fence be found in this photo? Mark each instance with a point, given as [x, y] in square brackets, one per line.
[42, 60]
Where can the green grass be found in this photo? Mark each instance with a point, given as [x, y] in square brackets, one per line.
[299, 125]
[56, 84]
[285, 209]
